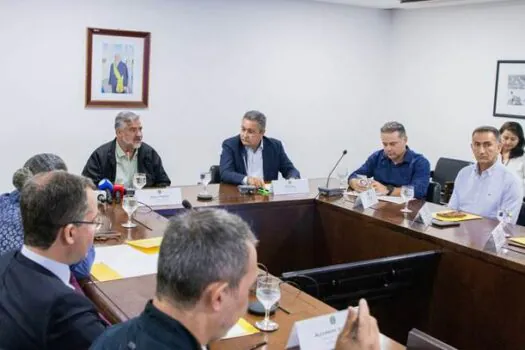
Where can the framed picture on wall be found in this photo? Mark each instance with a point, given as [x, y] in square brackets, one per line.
[509, 98]
[117, 68]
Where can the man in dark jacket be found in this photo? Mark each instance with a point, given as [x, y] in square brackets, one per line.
[251, 158]
[120, 159]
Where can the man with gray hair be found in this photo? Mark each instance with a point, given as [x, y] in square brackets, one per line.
[119, 159]
[39, 308]
[394, 166]
[207, 264]
[487, 188]
[252, 158]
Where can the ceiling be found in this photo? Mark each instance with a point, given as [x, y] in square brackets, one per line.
[395, 4]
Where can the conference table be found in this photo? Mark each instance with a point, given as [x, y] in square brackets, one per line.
[476, 299]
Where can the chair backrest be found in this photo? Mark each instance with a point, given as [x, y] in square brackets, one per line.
[447, 169]
[418, 340]
[215, 174]
[434, 193]
[521, 217]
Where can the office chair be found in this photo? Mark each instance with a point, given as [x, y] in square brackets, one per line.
[215, 174]
[521, 216]
[434, 192]
[447, 169]
[418, 340]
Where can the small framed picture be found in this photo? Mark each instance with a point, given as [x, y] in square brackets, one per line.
[117, 68]
[509, 98]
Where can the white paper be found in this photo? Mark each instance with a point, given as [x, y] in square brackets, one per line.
[126, 260]
[391, 199]
[366, 199]
[160, 196]
[291, 186]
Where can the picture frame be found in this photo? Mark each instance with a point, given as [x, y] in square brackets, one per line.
[509, 96]
[117, 68]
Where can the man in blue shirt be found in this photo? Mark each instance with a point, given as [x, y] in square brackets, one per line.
[394, 166]
[487, 188]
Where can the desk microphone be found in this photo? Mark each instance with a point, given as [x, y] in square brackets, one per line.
[334, 191]
[106, 186]
[118, 192]
[186, 204]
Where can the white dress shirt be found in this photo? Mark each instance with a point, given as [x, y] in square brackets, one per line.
[495, 189]
[57, 268]
[517, 167]
[254, 163]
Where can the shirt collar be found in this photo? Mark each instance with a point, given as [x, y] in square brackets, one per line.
[120, 152]
[407, 158]
[261, 146]
[57, 268]
[489, 171]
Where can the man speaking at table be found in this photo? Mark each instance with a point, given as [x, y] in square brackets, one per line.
[252, 158]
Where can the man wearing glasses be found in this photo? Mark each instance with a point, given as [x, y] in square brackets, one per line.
[39, 308]
[252, 158]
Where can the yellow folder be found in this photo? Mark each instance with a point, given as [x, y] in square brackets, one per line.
[147, 245]
[464, 218]
[103, 272]
[517, 241]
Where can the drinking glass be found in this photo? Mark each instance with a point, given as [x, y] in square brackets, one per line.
[205, 179]
[407, 193]
[342, 174]
[139, 180]
[129, 204]
[268, 292]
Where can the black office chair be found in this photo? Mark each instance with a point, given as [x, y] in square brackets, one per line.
[447, 169]
[215, 174]
[521, 216]
[434, 192]
[418, 340]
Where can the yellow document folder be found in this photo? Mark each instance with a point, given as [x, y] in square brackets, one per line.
[464, 218]
[517, 241]
[103, 272]
[147, 245]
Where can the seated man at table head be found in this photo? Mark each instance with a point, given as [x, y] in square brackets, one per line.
[207, 264]
[11, 230]
[394, 166]
[251, 158]
[487, 187]
[39, 308]
[119, 159]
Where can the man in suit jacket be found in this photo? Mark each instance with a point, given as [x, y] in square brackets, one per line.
[252, 158]
[39, 308]
[119, 159]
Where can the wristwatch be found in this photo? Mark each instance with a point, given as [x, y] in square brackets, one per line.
[390, 189]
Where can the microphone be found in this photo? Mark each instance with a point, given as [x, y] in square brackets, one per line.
[186, 204]
[334, 191]
[118, 192]
[106, 186]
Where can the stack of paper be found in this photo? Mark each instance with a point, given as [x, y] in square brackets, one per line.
[241, 328]
[517, 241]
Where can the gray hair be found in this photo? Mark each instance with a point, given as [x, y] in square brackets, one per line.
[391, 127]
[49, 201]
[257, 117]
[486, 128]
[37, 164]
[124, 118]
[201, 247]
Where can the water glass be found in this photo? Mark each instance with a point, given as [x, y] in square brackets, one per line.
[205, 177]
[139, 180]
[129, 204]
[342, 174]
[407, 193]
[268, 293]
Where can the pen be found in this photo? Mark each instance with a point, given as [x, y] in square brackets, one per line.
[257, 346]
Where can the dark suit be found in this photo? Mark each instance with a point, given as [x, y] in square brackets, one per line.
[38, 311]
[275, 160]
[103, 165]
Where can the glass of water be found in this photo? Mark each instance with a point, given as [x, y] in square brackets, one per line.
[407, 193]
[129, 204]
[205, 177]
[342, 174]
[268, 293]
[139, 180]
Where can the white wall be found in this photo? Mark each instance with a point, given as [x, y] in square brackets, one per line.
[310, 67]
[443, 67]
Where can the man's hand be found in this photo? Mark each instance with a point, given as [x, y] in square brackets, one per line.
[357, 185]
[379, 187]
[255, 181]
[365, 337]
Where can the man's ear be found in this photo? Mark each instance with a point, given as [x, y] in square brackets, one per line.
[214, 295]
[67, 234]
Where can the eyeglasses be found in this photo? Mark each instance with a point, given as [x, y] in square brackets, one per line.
[97, 222]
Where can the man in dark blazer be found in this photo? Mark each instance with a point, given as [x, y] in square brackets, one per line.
[252, 158]
[119, 159]
[39, 308]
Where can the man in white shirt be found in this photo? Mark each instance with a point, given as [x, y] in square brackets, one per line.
[487, 188]
[39, 308]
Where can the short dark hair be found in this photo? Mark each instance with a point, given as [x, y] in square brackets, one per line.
[49, 201]
[391, 127]
[487, 128]
[201, 247]
[517, 130]
[257, 117]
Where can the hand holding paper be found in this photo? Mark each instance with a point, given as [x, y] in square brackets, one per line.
[367, 331]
